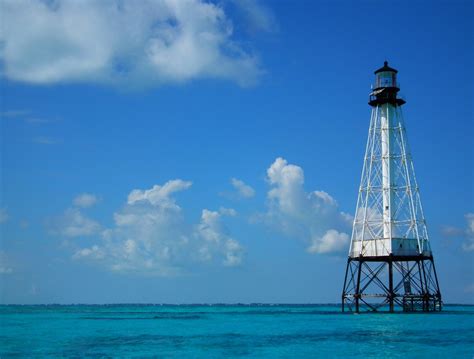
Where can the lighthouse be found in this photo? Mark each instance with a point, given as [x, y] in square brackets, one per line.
[390, 266]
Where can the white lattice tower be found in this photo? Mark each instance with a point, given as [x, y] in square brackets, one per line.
[390, 260]
[389, 216]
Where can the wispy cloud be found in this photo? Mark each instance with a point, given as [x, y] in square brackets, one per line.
[469, 288]
[37, 120]
[129, 43]
[228, 211]
[14, 113]
[243, 190]
[4, 216]
[43, 140]
[5, 263]
[258, 16]
[450, 231]
[85, 200]
[25, 115]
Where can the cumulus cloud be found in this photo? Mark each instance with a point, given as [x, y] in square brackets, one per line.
[4, 216]
[121, 42]
[85, 200]
[215, 238]
[313, 217]
[467, 233]
[150, 236]
[331, 241]
[160, 195]
[243, 190]
[73, 223]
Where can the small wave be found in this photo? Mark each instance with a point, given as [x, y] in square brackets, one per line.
[163, 317]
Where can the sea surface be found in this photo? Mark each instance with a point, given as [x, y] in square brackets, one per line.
[229, 331]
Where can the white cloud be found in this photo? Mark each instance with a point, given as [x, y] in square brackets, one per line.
[467, 233]
[37, 120]
[14, 113]
[151, 236]
[73, 223]
[5, 265]
[228, 211]
[43, 140]
[93, 252]
[332, 241]
[313, 217]
[233, 253]
[243, 190]
[469, 288]
[468, 244]
[258, 16]
[121, 43]
[212, 231]
[4, 216]
[85, 200]
[159, 195]
[450, 231]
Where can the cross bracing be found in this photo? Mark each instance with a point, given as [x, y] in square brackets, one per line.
[388, 205]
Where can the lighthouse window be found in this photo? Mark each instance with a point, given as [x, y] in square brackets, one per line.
[385, 79]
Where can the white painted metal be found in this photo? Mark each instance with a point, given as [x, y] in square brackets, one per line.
[389, 217]
[386, 137]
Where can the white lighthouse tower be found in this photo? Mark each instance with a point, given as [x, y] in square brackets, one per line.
[390, 264]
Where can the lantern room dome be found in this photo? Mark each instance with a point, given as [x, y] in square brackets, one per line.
[385, 68]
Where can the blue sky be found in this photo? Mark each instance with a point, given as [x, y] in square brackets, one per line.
[190, 151]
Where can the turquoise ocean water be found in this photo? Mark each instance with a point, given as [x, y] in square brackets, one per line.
[205, 331]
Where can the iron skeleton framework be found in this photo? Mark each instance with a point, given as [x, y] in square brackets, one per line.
[390, 264]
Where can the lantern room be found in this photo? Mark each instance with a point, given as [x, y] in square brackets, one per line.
[385, 77]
